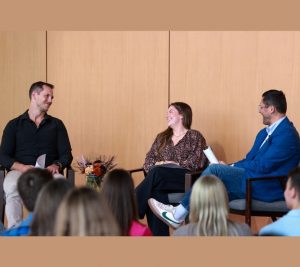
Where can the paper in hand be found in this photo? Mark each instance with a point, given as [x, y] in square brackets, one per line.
[210, 155]
[40, 162]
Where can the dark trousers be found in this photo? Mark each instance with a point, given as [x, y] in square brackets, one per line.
[157, 184]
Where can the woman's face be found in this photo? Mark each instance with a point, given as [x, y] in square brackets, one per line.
[173, 117]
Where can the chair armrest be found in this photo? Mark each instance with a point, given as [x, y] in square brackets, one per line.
[136, 170]
[190, 178]
[131, 171]
[250, 180]
[282, 179]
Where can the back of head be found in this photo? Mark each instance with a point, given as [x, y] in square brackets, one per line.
[46, 207]
[209, 206]
[118, 190]
[275, 98]
[84, 212]
[38, 87]
[294, 176]
[30, 183]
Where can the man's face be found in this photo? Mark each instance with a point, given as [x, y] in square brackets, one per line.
[43, 99]
[266, 112]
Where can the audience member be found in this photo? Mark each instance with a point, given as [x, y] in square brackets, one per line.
[118, 190]
[209, 211]
[47, 203]
[84, 212]
[25, 138]
[29, 185]
[288, 225]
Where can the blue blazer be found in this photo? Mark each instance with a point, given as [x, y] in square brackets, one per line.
[278, 155]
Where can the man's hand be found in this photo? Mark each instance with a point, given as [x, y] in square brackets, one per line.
[53, 168]
[21, 167]
[222, 162]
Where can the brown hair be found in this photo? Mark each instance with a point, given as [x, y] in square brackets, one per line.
[84, 212]
[185, 110]
[38, 87]
[118, 190]
[294, 176]
[46, 207]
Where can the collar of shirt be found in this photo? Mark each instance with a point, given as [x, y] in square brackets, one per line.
[25, 116]
[270, 129]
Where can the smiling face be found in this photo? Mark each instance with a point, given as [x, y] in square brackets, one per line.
[174, 118]
[266, 112]
[43, 99]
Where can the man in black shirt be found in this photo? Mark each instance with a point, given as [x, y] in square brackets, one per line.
[25, 138]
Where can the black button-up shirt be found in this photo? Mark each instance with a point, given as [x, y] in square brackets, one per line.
[23, 141]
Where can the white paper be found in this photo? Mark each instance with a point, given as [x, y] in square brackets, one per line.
[210, 155]
[40, 162]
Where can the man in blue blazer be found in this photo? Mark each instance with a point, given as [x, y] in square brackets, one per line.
[275, 152]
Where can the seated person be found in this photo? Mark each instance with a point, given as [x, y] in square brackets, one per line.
[118, 190]
[275, 152]
[84, 212]
[175, 151]
[25, 138]
[288, 225]
[209, 211]
[29, 185]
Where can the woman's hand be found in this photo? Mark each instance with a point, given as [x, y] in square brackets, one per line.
[170, 161]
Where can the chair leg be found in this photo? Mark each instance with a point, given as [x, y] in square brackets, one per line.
[248, 218]
[273, 218]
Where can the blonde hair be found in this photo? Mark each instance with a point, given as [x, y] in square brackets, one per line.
[83, 212]
[209, 206]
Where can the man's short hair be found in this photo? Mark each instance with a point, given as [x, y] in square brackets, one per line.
[30, 183]
[38, 87]
[294, 176]
[275, 98]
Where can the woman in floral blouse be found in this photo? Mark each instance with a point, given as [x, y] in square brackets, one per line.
[175, 151]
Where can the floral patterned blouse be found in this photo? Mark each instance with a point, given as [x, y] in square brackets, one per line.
[188, 152]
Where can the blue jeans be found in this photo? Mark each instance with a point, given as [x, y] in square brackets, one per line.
[231, 177]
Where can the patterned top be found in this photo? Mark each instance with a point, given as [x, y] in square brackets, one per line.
[188, 152]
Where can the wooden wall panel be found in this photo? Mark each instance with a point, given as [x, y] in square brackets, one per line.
[223, 74]
[111, 90]
[22, 62]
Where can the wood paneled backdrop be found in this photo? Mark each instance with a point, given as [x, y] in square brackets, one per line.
[113, 88]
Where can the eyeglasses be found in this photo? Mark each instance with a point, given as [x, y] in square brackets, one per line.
[262, 107]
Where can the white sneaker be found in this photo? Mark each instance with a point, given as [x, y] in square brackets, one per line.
[164, 213]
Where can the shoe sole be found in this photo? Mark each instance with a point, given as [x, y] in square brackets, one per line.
[157, 214]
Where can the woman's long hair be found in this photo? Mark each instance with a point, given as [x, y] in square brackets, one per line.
[185, 110]
[209, 206]
[118, 190]
[84, 212]
[46, 207]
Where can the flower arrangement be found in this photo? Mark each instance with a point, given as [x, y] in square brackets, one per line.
[95, 170]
